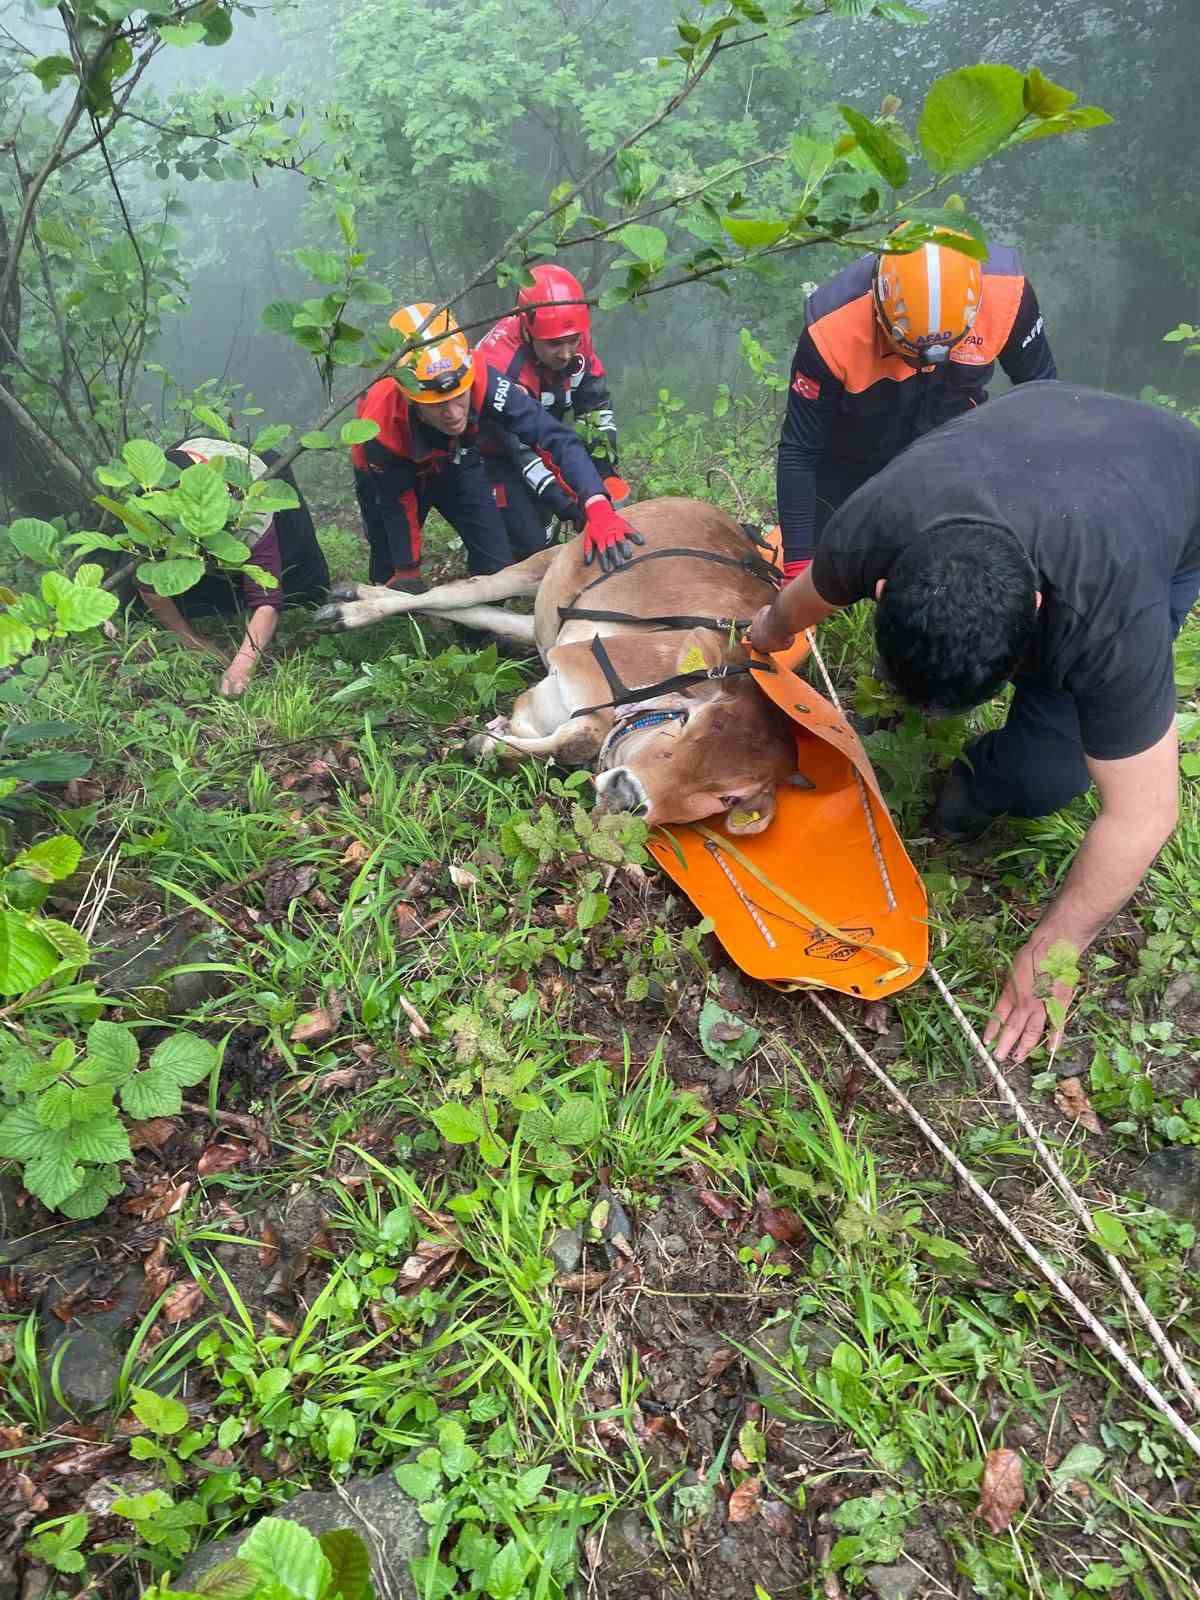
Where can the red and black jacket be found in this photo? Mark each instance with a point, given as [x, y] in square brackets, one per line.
[855, 404]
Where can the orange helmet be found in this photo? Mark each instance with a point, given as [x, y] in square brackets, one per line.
[443, 370]
[927, 300]
[561, 320]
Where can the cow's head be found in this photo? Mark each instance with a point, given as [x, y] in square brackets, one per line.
[680, 758]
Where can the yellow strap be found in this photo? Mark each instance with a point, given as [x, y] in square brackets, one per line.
[882, 951]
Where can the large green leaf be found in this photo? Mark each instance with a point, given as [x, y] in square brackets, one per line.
[880, 149]
[100, 1138]
[159, 1412]
[341, 1435]
[23, 1135]
[52, 1177]
[114, 1049]
[68, 941]
[969, 114]
[77, 606]
[458, 1123]
[1043, 97]
[184, 1058]
[289, 1555]
[279, 315]
[171, 577]
[225, 547]
[359, 430]
[51, 859]
[317, 440]
[753, 232]
[646, 243]
[270, 437]
[348, 1557]
[324, 265]
[97, 1189]
[145, 460]
[271, 494]
[52, 766]
[16, 640]
[1077, 120]
[26, 957]
[35, 540]
[203, 500]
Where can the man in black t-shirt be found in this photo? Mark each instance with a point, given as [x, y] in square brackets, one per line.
[1051, 539]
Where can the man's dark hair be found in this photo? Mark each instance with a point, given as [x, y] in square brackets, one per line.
[957, 614]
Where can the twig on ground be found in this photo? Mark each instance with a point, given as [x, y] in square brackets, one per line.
[1116, 1350]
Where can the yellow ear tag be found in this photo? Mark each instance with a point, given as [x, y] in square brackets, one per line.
[692, 660]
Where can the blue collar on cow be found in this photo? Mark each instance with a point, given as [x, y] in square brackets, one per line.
[634, 724]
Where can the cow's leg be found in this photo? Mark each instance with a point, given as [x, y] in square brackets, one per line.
[541, 725]
[493, 619]
[357, 605]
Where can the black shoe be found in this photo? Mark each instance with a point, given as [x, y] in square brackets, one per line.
[955, 815]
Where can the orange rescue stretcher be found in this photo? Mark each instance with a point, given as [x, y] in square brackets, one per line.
[826, 896]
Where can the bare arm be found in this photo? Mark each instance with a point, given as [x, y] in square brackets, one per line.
[1139, 807]
[260, 630]
[168, 615]
[793, 609]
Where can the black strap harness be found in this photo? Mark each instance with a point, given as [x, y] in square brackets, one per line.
[622, 694]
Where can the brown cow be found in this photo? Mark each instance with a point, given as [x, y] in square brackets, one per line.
[675, 753]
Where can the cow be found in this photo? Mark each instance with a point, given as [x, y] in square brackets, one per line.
[646, 680]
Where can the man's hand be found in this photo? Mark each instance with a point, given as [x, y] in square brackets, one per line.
[609, 534]
[1020, 1018]
[767, 634]
[237, 676]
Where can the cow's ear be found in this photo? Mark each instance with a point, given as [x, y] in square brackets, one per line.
[751, 813]
[699, 651]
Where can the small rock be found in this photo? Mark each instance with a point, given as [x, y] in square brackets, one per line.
[629, 1551]
[617, 1230]
[39, 1581]
[674, 1244]
[898, 1581]
[377, 1508]
[777, 1342]
[1170, 1180]
[90, 1367]
[1182, 987]
[566, 1249]
[136, 967]
[10, 1583]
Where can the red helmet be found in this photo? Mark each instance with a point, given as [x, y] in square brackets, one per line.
[560, 320]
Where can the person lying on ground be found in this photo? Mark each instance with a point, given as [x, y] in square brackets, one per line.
[283, 544]
[426, 456]
[546, 347]
[893, 346]
[1050, 539]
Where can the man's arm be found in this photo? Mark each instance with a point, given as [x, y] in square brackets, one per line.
[793, 609]
[1139, 807]
[1026, 354]
[533, 426]
[812, 402]
[168, 615]
[260, 630]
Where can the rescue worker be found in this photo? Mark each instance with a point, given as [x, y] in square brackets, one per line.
[894, 345]
[283, 544]
[426, 454]
[546, 347]
[1051, 538]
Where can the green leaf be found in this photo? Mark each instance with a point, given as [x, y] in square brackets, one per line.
[289, 1555]
[23, 1135]
[35, 540]
[114, 477]
[177, 1063]
[114, 1049]
[279, 315]
[458, 1123]
[270, 437]
[51, 70]
[183, 34]
[53, 1177]
[27, 958]
[229, 1580]
[752, 233]
[225, 547]
[271, 1385]
[506, 1575]
[57, 236]
[99, 1139]
[260, 576]
[158, 1412]
[1111, 1232]
[646, 243]
[146, 461]
[1043, 97]
[969, 114]
[51, 859]
[324, 265]
[880, 149]
[593, 908]
[52, 766]
[725, 1038]
[345, 221]
[16, 640]
[34, 732]
[341, 1435]
[130, 516]
[97, 1189]
[577, 1121]
[1077, 120]
[348, 1557]
[359, 430]
[218, 27]
[271, 494]
[530, 1484]
[203, 499]
[942, 225]
[418, 1481]
[171, 577]
[77, 606]
[212, 420]
[317, 441]
[1082, 1461]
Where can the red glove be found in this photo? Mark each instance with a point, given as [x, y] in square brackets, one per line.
[609, 534]
[793, 569]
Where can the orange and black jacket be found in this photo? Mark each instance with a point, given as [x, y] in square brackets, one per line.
[410, 466]
[854, 404]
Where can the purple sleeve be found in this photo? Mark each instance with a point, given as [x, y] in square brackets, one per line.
[265, 554]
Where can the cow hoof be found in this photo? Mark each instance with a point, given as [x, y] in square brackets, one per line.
[480, 746]
[344, 591]
[328, 619]
[348, 614]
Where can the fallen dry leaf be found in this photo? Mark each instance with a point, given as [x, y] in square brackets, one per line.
[720, 1205]
[720, 1361]
[183, 1301]
[778, 1517]
[286, 885]
[313, 1028]
[30, 1493]
[152, 1134]
[462, 879]
[1071, 1100]
[268, 1250]
[355, 854]
[1002, 1492]
[281, 1324]
[784, 1226]
[417, 1025]
[156, 1271]
[408, 923]
[429, 1263]
[157, 1201]
[743, 1502]
[231, 1221]
[582, 1281]
[877, 1016]
[222, 1156]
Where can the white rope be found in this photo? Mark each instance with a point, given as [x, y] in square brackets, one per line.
[1158, 1400]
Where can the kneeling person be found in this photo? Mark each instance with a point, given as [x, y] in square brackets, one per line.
[1051, 539]
[283, 544]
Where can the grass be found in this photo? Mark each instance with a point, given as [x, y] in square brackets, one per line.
[514, 1055]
